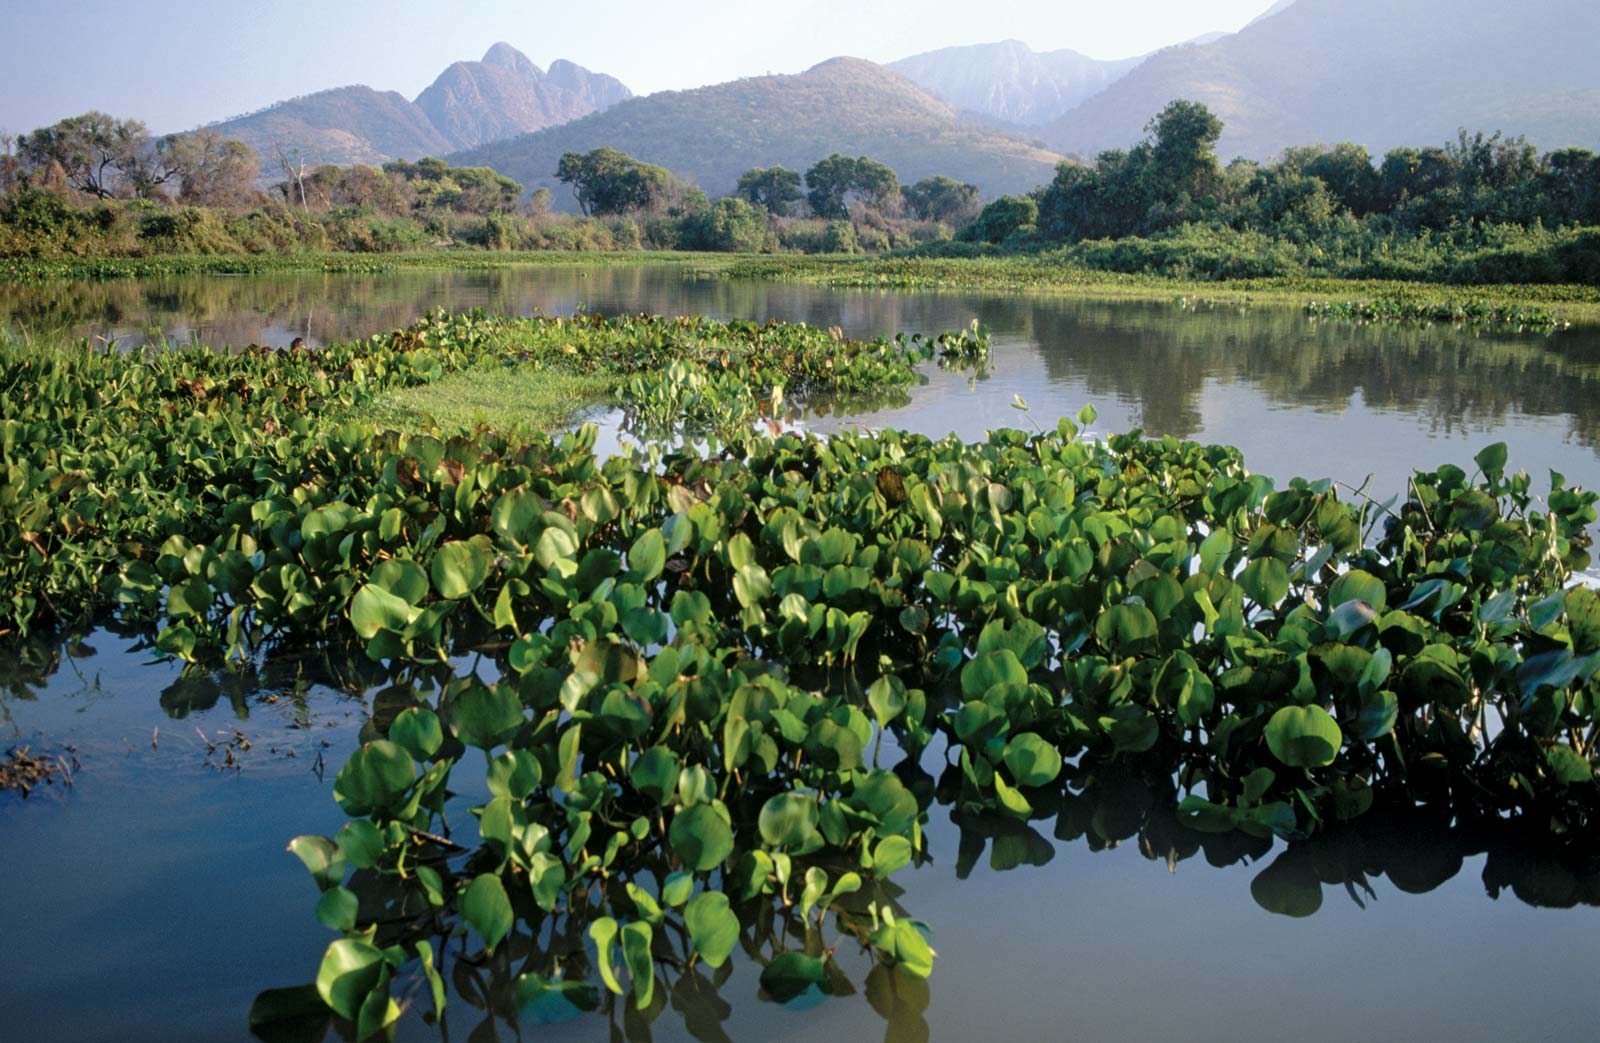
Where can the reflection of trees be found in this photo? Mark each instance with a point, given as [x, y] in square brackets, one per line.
[1148, 353]
[1159, 358]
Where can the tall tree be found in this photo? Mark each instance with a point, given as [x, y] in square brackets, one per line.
[827, 182]
[214, 170]
[607, 181]
[98, 154]
[1183, 156]
[942, 199]
[775, 188]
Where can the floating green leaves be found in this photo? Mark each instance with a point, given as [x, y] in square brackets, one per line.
[1304, 737]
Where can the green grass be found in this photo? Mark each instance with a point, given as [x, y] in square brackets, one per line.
[1571, 303]
[25, 270]
[501, 397]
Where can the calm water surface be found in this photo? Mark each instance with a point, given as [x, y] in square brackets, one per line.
[154, 898]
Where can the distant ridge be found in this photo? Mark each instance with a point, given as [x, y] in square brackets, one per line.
[470, 103]
[711, 135]
[1380, 73]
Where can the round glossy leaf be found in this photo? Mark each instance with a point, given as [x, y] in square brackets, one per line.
[1266, 580]
[789, 820]
[486, 717]
[374, 609]
[418, 732]
[1032, 761]
[350, 970]
[700, 837]
[1304, 737]
[375, 778]
[460, 568]
[990, 670]
[713, 928]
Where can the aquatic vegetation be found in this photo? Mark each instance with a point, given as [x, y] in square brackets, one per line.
[1449, 311]
[696, 661]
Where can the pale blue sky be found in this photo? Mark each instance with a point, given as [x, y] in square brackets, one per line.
[178, 63]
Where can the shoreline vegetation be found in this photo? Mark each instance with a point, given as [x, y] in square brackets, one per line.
[1482, 229]
[1532, 305]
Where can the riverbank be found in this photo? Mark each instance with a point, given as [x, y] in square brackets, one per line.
[1363, 300]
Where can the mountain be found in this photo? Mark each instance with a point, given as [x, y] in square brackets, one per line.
[1012, 82]
[596, 88]
[1380, 73]
[471, 103]
[342, 125]
[711, 135]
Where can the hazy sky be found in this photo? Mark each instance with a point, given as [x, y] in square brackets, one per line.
[179, 63]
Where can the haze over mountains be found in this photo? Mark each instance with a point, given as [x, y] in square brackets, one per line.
[1377, 72]
[1380, 73]
[711, 135]
[1010, 81]
[471, 103]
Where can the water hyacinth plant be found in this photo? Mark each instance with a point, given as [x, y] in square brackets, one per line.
[711, 677]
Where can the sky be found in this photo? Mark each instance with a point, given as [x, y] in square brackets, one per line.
[177, 64]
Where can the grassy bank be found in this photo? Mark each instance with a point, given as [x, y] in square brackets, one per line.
[1364, 299]
[76, 269]
[1568, 303]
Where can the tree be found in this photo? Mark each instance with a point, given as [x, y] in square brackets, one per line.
[1004, 216]
[833, 183]
[827, 182]
[98, 154]
[214, 170]
[731, 224]
[606, 181]
[1183, 157]
[942, 199]
[1348, 172]
[777, 189]
[10, 165]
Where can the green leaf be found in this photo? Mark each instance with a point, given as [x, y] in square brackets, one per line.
[604, 932]
[1304, 737]
[460, 568]
[336, 909]
[350, 970]
[636, 954]
[487, 908]
[647, 557]
[322, 858]
[376, 778]
[700, 837]
[789, 820]
[1492, 460]
[713, 929]
[655, 773]
[374, 609]
[990, 670]
[1032, 761]
[418, 732]
[486, 717]
[1126, 629]
[1567, 766]
[1266, 581]
[905, 947]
